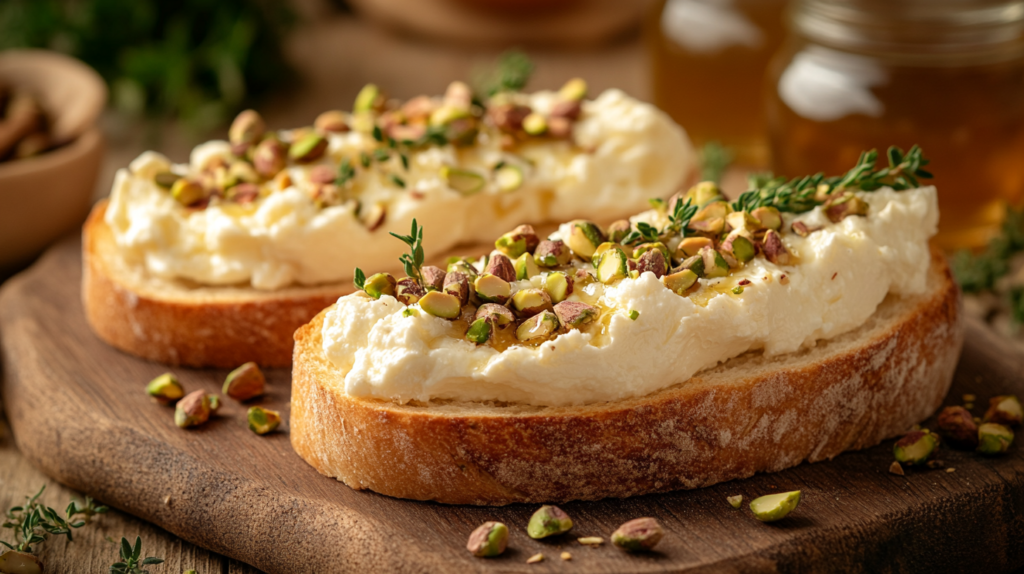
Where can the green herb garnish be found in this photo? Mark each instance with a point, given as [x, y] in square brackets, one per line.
[412, 262]
[33, 522]
[345, 172]
[714, 160]
[360, 279]
[131, 559]
[397, 180]
[511, 74]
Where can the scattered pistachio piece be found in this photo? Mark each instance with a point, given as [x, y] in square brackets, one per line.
[526, 267]
[1004, 410]
[768, 217]
[193, 410]
[612, 266]
[489, 539]
[774, 250]
[680, 281]
[535, 124]
[433, 277]
[263, 421]
[270, 157]
[994, 438]
[529, 302]
[548, 521]
[694, 263]
[559, 285]
[591, 541]
[409, 291]
[638, 534]
[14, 562]
[633, 314]
[457, 284]
[584, 237]
[916, 447]
[535, 559]
[739, 247]
[310, 147]
[480, 331]
[463, 181]
[957, 425]
[839, 207]
[775, 506]
[896, 468]
[508, 178]
[492, 289]
[331, 121]
[522, 239]
[552, 253]
[574, 89]
[714, 264]
[618, 230]
[380, 284]
[566, 556]
[498, 315]
[574, 314]
[735, 501]
[368, 99]
[501, 266]
[165, 179]
[165, 389]
[245, 382]
[187, 192]
[441, 305]
[247, 128]
[691, 246]
[950, 469]
[540, 326]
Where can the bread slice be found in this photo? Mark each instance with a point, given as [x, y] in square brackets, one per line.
[183, 323]
[751, 414]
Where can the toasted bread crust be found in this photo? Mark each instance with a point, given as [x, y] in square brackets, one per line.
[845, 394]
[170, 322]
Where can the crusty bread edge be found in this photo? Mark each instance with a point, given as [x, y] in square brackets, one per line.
[175, 330]
[707, 430]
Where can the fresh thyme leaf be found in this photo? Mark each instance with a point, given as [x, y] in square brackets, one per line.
[405, 161]
[364, 159]
[680, 216]
[714, 160]
[412, 262]
[345, 172]
[360, 279]
[377, 134]
[511, 74]
[642, 231]
[977, 272]
[397, 180]
[131, 559]
[32, 522]
[381, 154]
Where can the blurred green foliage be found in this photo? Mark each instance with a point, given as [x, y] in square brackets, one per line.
[198, 60]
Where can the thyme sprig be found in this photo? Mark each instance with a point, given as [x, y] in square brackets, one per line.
[131, 559]
[32, 522]
[412, 262]
[678, 220]
[804, 193]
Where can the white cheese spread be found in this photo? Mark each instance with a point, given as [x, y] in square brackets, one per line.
[623, 153]
[843, 272]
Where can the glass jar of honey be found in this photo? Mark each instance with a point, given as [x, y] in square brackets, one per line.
[708, 63]
[945, 74]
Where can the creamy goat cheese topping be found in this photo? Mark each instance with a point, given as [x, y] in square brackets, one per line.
[622, 152]
[843, 273]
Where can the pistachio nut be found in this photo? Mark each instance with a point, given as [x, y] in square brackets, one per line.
[526, 267]
[957, 425]
[441, 305]
[574, 314]
[489, 539]
[1004, 410]
[369, 99]
[408, 134]
[584, 237]
[768, 217]
[735, 501]
[709, 227]
[446, 115]
[774, 250]
[508, 177]
[14, 562]
[573, 90]
[645, 247]
[418, 108]
[654, 262]
[558, 285]
[802, 229]
[691, 246]
[457, 284]
[702, 194]
[462, 265]
[916, 447]
[618, 230]
[548, 521]
[582, 278]
[462, 131]
[333, 121]
[535, 124]
[492, 289]
[263, 421]
[243, 172]
[270, 157]
[522, 239]
[433, 277]
[566, 110]
[380, 284]
[742, 220]
[501, 266]
[498, 315]
[612, 266]
[540, 326]
[994, 438]
[839, 207]
[739, 247]
[214, 403]
[775, 506]
[479, 331]
[680, 281]
[165, 389]
[508, 117]
[247, 128]
[596, 257]
[193, 410]
[165, 179]
[897, 469]
[713, 210]
[591, 540]
[463, 181]
[536, 558]
[559, 127]
[529, 302]
[638, 534]
[714, 264]
[695, 264]
[409, 291]
[187, 192]
[245, 382]
[308, 148]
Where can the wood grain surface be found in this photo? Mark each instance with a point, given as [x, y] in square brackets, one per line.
[78, 412]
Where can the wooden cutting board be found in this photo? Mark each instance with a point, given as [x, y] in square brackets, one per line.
[78, 411]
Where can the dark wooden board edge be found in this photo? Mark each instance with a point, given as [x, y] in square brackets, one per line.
[947, 528]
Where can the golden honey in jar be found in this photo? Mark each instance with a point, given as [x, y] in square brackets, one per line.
[947, 75]
[708, 63]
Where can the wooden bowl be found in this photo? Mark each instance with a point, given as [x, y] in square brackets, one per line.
[46, 196]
